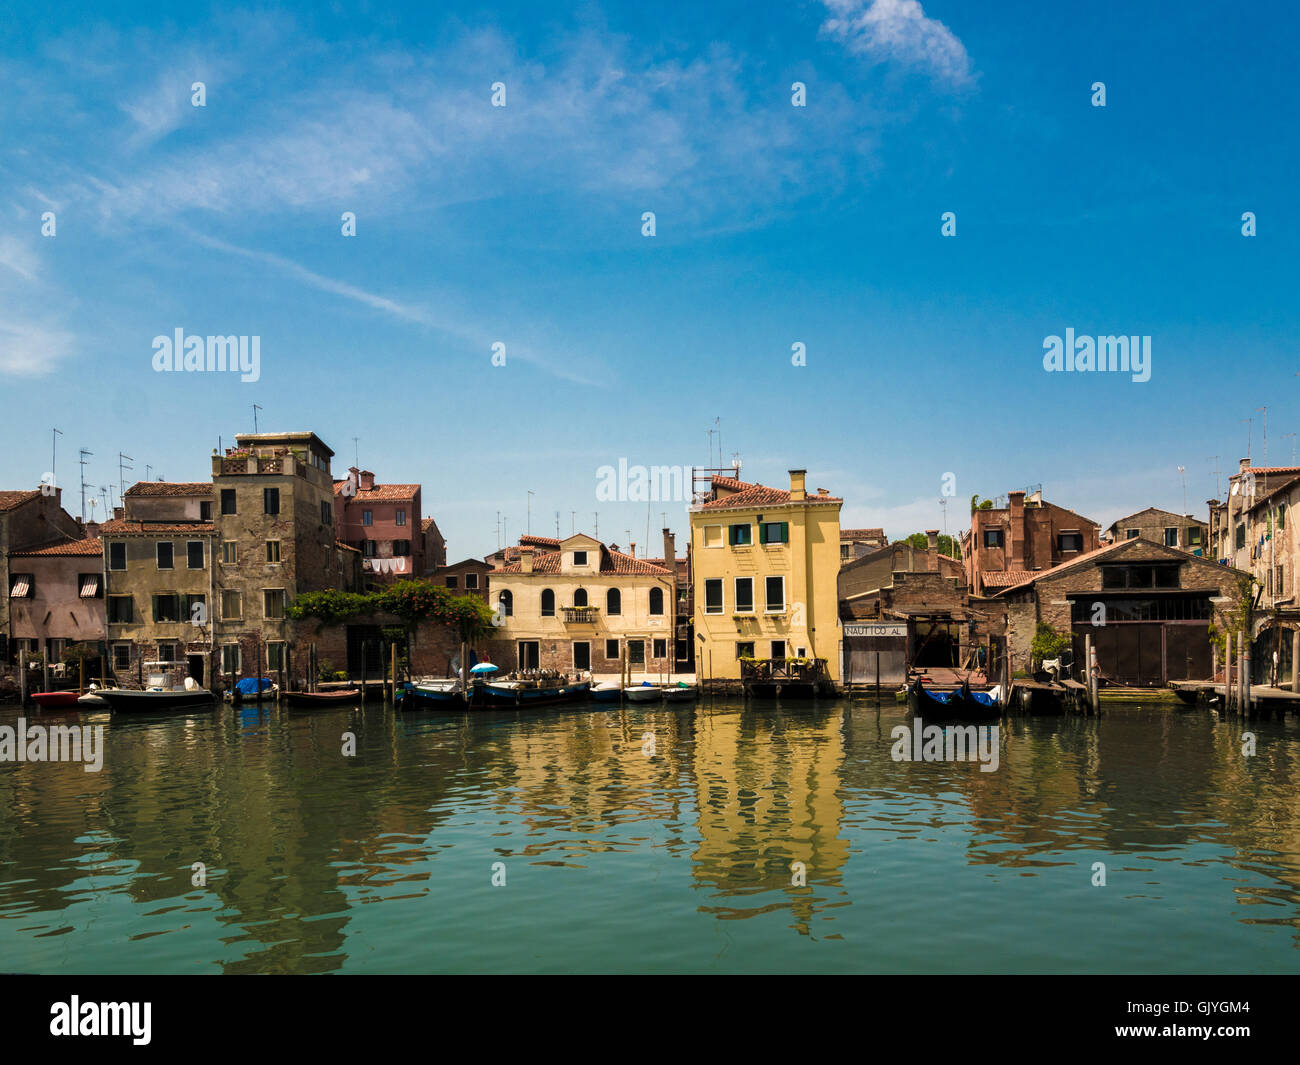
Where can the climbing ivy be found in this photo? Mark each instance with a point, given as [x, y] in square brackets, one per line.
[412, 601]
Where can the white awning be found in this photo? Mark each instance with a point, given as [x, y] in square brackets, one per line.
[90, 586]
[21, 586]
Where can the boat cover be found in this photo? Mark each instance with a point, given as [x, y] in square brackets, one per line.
[252, 685]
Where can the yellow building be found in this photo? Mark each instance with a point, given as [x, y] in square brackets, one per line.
[580, 606]
[765, 567]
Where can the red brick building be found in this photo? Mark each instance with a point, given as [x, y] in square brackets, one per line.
[1007, 545]
[383, 522]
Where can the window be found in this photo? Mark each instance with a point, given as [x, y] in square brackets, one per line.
[994, 538]
[778, 648]
[713, 596]
[274, 656]
[194, 608]
[230, 658]
[744, 595]
[270, 501]
[401, 548]
[228, 501]
[121, 610]
[1241, 537]
[471, 580]
[1281, 516]
[1131, 534]
[778, 532]
[1194, 533]
[580, 597]
[89, 586]
[580, 558]
[232, 606]
[1171, 537]
[452, 581]
[273, 603]
[656, 600]
[713, 536]
[117, 556]
[272, 550]
[1279, 587]
[121, 657]
[660, 648]
[165, 550]
[548, 603]
[194, 554]
[845, 549]
[205, 510]
[167, 652]
[636, 652]
[740, 535]
[506, 604]
[326, 512]
[167, 607]
[400, 519]
[367, 517]
[1069, 541]
[229, 552]
[23, 586]
[369, 549]
[611, 650]
[581, 656]
[775, 587]
[745, 650]
[613, 602]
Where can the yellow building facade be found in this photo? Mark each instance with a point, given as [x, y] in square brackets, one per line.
[765, 564]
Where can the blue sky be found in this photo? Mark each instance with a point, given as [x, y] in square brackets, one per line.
[775, 224]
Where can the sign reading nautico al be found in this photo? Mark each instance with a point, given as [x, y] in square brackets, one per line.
[876, 630]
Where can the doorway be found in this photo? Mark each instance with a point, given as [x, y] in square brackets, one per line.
[530, 654]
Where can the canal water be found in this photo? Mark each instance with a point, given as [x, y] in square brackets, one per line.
[718, 838]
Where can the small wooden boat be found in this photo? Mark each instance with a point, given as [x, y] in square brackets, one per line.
[644, 693]
[56, 700]
[321, 700]
[527, 692]
[154, 700]
[606, 692]
[432, 695]
[681, 693]
[978, 706]
[929, 703]
[254, 690]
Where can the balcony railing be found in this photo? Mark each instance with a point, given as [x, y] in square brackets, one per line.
[807, 670]
[580, 615]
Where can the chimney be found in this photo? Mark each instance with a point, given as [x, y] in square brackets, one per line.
[525, 560]
[797, 492]
[670, 551]
[367, 481]
[1016, 531]
[92, 529]
[118, 512]
[932, 539]
[633, 552]
[1243, 465]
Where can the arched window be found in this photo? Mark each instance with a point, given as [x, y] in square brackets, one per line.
[580, 597]
[656, 600]
[548, 603]
[613, 602]
[506, 604]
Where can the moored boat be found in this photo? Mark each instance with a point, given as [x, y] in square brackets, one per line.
[931, 703]
[528, 691]
[681, 693]
[253, 690]
[432, 695]
[56, 700]
[153, 700]
[644, 693]
[606, 692]
[978, 706]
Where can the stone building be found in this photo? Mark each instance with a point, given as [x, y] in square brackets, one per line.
[470, 575]
[57, 597]
[274, 535]
[1161, 527]
[435, 546]
[28, 519]
[854, 543]
[159, 583]
[1148, 608]
[582, 606]
[383, 522]
[1006, 545]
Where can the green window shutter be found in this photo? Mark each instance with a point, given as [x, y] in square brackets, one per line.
[785, 532]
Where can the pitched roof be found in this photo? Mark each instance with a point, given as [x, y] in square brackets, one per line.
[120, 527]
[613, 563]
[170, 488]
[747, 496]
[1119, 547]
[862, 534]
[396, 492]
[539, 541]
[9, 500]
[91, 546]
[1009, 577]
[1284, 486]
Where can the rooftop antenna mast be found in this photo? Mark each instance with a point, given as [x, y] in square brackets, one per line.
[557, 524]
[54, 452]
[573, 521]
[256, 408]
[356, 459]
[84, 455]
[1218, 473]
[1248, 422]
[1182, 472]
[498, 530]
[1265, 427]
[121, 474]
[529, 527]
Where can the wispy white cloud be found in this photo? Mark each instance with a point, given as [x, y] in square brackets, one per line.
[29, 349]
[898, 31]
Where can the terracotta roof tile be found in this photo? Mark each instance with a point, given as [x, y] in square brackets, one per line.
[170, 488]
[1007, 578]
[92, 545]
[746, 496]
[613, 563]
[119, 527]
[395, 492]
[9, 500]
[862, 534]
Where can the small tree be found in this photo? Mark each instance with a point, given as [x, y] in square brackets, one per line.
[1048, 643]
